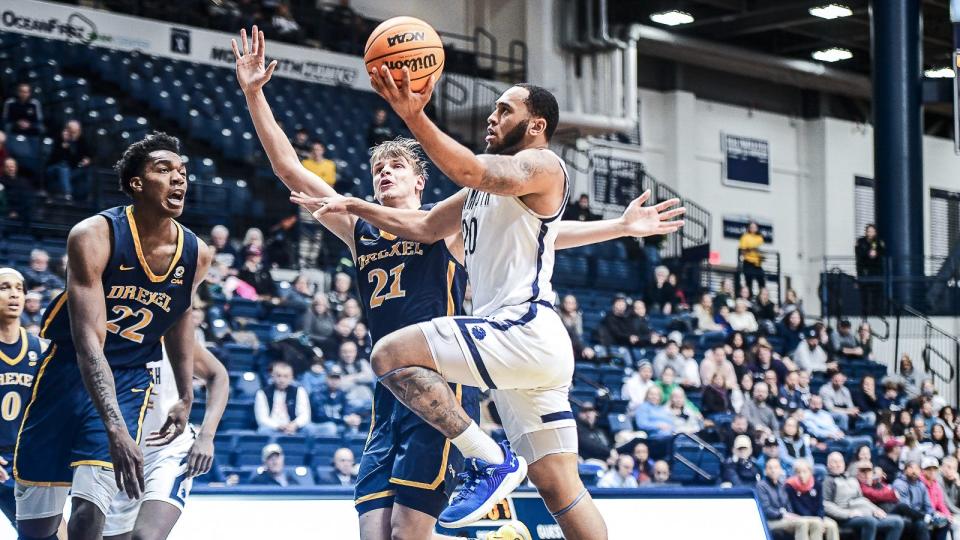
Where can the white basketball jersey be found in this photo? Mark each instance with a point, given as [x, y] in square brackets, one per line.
[509, 249]
[165, 395]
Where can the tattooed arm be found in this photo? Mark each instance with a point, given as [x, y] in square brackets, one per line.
[88, 253]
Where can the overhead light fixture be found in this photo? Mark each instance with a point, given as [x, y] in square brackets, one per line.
[833, 54]
[940, 73]
[672, 17]
[831, 11]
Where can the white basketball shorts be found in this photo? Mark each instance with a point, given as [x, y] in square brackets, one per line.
[165, 479]
[524, 356]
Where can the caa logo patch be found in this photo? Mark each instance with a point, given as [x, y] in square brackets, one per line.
[178, 273]
[478, 332]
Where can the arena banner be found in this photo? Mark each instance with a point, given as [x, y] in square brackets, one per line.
[92, 27]
[735, 226]
[746, 161]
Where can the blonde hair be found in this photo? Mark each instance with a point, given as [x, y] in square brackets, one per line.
[407, 149]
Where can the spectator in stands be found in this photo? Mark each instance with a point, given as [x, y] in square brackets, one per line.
[716, 397]
[950, 484]
[876, 490]
[38, 276]
[361, 336]
[791, 302]
[837, 399]
[793, 442]
[889, 462]
[328, 404]
[770, 449]
[272, 472]
[776, 506]
[314, 379]
[340, 292]
[686, 417]
[810, 356]
[301, 143]
[226, 252]
[690, 374]
[572, 320]
[282, 407]
[865, 340]
[764, 361]
[843, 501]
[636, 386]
[661, 474]
[593, 441]
[806, 499]
[621, 476]
[750, 243]
[910, 379]
[299, 296]
[760, 415]
[69, 164]
[661, 295]
[928, 392]
[641, 326]
[669, 357]
[343, 470]
[741, 469]
[819, 422]
[865, 399]
[870, 251]
[947, 418]
[726, 296]
[284, 26]
[764, 309]
[892, 399]
[941, 445]
[703, 313]
[616, 328]
[926, 521]
[938, 499]
[651, 416]
[4, 154]
[715, 361]
[741, 368]
[32, 313]
[741, 319]
[253, 237]
[580, 210]
[643, 468]
[319, 165]
[355, 371]
[790, 398]
[791, 331]
[17, 191]
[257, 275]
[379, 130]
[351, 310]
[318, 322]
[23, 114]
[738, 426]
[844, 342]
[743, 393]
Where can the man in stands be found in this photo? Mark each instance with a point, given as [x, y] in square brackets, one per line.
[870, 252]
[282, 407]
[771, 451]
[950, 484]
[226, 252]
[844, 502]
[379, 131]
[319, 165]
[938, 499]
[343, 473]
[69, 164]
[844, 342]
[820, 423]
[790, 398]
[23, 114]
[889, 462]
[925, 521]
[616, 329]
[593, 442]
[273, 472]
[38, 275]
[329, 405]
[716, 360]
[741, 469]
[669, 356]
[32, 312]
[776, 506]
[758, 413]
[580, 210]
[810, 356]
[18, 192]
[837, 399]
[661, 473]
[635, 388]
[621, 476]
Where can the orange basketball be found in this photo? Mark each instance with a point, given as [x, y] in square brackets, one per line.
[405, 42]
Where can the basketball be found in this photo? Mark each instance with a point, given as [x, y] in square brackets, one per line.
[405, 42]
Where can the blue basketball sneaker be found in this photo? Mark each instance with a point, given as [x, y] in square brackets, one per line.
[484, 485]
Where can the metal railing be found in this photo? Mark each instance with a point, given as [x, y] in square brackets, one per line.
[705, 449]
[847, 288]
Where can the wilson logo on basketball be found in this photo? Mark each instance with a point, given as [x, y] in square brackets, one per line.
[428, 61]
[405, 37]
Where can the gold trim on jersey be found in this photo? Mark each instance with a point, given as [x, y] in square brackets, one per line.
[143, 411]
[93, 463]
[374, 496]
[451, 271]
[443, 463]
[53, 314]
[26, 412]
[21, 354]
[143, 261]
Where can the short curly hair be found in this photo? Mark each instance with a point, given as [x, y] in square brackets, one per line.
[134, 158]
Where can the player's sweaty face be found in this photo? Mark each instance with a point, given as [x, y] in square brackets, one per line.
[165, 181]
[11, 297]
[394, 179]
[507, 124]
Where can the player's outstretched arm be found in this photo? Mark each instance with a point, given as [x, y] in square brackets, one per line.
[211, 371]
[88, 253]
[429, 226]
[524, 173]
[252, 75]
[637, 221]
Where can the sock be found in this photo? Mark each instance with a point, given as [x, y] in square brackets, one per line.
[474, 443]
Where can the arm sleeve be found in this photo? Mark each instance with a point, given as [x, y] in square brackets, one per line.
[303, 408]
[262, 411]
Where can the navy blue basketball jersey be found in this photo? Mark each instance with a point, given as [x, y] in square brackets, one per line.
[141, 306]
[427, 277]
[19, 362]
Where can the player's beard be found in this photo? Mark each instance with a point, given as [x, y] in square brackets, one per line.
[511, 141]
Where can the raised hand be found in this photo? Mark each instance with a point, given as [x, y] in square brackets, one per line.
[639, 220]
[319, 206]
[252, 74]
[406, 103]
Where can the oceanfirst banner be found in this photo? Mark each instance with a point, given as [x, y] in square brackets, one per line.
[95, 28]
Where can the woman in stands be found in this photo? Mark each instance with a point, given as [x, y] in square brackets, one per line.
[790, 330]
[942, 446]
[794, 443]
[716, 397]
